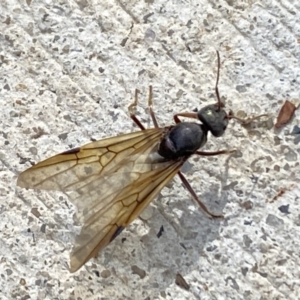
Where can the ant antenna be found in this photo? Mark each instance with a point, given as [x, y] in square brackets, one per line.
[220, 104]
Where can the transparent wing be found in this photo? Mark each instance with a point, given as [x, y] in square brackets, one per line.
[117, 200]
[109, 181]
[63, 172]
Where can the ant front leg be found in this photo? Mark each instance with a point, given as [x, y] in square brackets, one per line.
[204, 153]
[185, 115]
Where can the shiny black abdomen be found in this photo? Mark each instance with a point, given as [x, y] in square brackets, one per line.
[183, 139]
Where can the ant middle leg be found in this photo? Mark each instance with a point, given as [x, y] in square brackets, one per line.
[131, 109]
[150, 103]
[195, 197]
[133, 105]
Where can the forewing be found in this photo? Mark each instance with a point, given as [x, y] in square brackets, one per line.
[116, 201]
[63, 172]
[110, 182]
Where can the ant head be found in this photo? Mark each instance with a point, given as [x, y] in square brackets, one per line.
[215, 118]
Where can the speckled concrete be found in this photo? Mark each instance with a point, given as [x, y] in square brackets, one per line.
[68, 71]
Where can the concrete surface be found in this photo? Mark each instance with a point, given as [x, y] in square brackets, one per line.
[68, 71]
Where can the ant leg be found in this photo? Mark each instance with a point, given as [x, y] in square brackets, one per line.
[132, 106]
[204, 153]
[150, 103]
[131, 109]
[186, 115]
[190, 189]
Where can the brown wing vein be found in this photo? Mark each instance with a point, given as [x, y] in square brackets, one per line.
[60, 171]
[101, 225]
[110, 181]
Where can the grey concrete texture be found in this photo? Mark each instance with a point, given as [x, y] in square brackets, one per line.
[69, 70]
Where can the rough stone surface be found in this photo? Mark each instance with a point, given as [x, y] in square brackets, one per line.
[68, 71]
